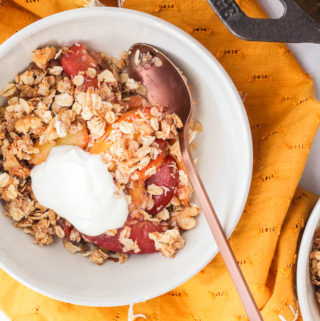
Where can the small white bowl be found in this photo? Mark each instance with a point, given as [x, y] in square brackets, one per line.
[225, 161]
[310, 308]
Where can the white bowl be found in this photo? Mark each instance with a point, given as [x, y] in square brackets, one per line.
[225, 162]
[310, 308]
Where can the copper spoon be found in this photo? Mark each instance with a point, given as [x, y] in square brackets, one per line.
[167, 87]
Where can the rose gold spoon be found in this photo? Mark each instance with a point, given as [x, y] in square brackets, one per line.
[167, 87]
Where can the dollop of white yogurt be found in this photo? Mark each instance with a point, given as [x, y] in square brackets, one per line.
[78, 186]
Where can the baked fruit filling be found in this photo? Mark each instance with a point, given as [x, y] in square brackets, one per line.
[72, 96]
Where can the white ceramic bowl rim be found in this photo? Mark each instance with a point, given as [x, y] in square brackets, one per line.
[205, 55]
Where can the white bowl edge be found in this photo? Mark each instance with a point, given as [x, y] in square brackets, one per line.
[308, 305]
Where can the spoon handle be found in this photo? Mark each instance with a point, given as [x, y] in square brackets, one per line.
[218, 232]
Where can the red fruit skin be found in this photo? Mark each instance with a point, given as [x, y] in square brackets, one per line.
[90, 82]
[77, 59]
[161, 143]
[167, 176]
[66, 226]
[139, 193]
[139, 232]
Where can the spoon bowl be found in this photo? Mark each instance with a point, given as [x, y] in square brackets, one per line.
[164, 81]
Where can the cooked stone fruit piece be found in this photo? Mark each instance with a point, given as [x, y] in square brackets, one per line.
[133, 238]
[76, 60]
[79, 138]
[166, 178]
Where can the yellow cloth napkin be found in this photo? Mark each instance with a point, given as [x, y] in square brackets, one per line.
[284, 117]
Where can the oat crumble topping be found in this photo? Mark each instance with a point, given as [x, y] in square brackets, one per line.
[104, 111]
[315, 263]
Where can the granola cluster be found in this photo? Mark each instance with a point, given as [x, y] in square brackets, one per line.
[46, 107]
[315, 263]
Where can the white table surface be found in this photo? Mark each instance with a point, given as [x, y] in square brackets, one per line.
[3, 317]
[308, 56]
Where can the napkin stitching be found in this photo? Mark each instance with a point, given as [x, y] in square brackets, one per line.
[295, 314]
[132, 316]
[89, 3]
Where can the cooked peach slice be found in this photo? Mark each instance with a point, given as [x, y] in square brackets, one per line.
[77, 59]
[79, 138]
[139, 233]
[138, 192]
[102, 145]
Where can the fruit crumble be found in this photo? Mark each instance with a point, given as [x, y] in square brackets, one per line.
[73, 96]
[315, 263]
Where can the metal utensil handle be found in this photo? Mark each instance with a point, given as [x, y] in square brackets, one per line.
[218, 233]
[294, 26]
